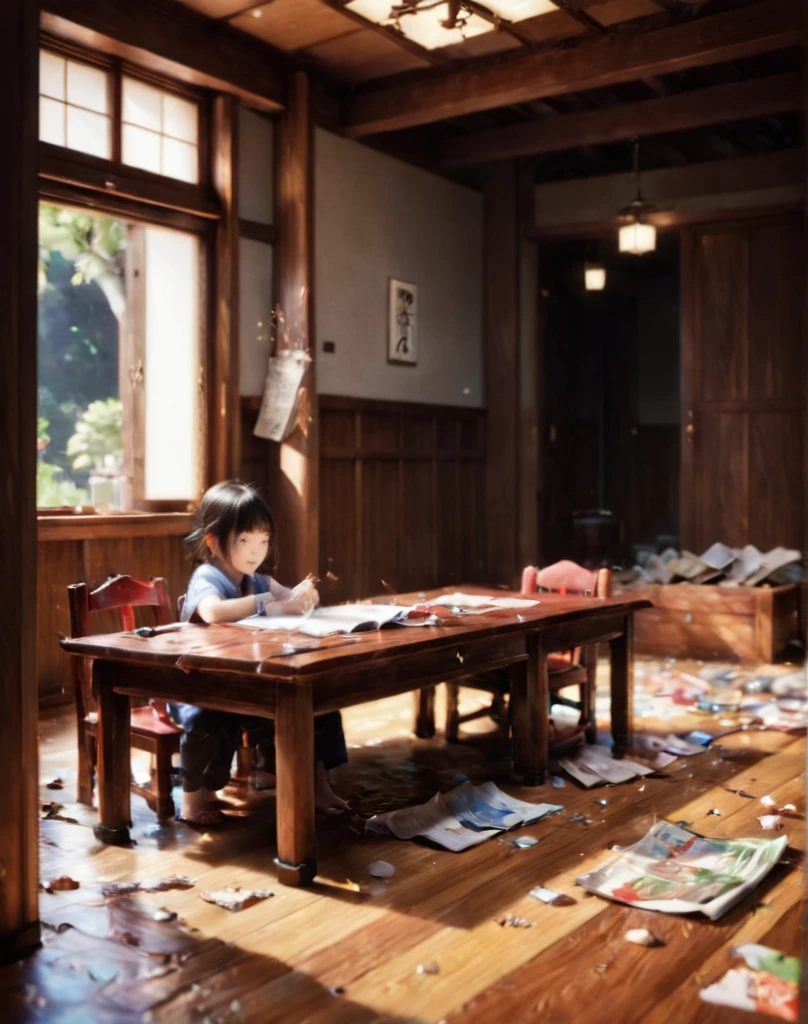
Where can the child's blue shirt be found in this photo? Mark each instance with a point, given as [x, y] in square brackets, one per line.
[209, 581]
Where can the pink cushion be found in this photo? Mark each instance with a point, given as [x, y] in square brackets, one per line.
[568, 575]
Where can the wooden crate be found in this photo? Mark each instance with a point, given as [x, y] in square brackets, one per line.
[716, 623]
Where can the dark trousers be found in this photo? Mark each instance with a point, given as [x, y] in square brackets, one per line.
[211, 738]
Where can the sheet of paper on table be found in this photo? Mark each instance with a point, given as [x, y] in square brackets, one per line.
[461, 600]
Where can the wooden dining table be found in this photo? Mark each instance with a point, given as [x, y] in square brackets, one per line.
[248, 670]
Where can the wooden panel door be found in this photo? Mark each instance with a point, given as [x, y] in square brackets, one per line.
[742, 370]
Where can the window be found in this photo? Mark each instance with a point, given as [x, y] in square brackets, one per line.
[153, 128]
[75, 108]
[120, 361]
[160, 131]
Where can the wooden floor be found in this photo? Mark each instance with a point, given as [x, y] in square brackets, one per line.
[349, 948]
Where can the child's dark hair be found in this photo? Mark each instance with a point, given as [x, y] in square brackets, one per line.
[232, 507]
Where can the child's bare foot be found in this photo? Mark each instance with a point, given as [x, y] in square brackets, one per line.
[326, 800]
[261, 779]
[196, 809]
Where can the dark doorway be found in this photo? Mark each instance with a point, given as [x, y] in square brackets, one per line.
[610, 383]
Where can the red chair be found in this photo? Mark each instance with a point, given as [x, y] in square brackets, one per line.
[569, 668]
[151, 733]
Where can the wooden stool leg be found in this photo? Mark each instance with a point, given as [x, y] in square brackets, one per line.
[425, 713]
[294, 763]
[161, 785]
[588, 693]
[622, 655]
[452, 712]
[86, 766]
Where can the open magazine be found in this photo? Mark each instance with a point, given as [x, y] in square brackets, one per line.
[675, 871]
[343, 618]
[480, 602]
[464, 817]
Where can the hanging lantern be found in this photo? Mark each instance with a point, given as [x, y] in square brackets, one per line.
[594, 277]
[637, 236]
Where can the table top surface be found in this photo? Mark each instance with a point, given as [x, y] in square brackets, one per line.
[241, 649]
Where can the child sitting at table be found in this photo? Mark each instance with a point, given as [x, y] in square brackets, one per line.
[235, 536]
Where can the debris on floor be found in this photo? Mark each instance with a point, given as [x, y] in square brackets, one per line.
[148, 885]
[768, 984]
[642, 937]
[514, 921]
[63, 884]
[551, 897]
[236, 899]
[464, 817]
[381, 869]
[595, 766]
[675, 871]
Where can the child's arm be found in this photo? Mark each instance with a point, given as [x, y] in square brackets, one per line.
[278, 601]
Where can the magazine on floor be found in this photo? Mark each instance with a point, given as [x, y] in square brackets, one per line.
[464, 817]
[675, 871]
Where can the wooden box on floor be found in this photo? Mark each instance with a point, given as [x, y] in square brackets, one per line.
[707, 623]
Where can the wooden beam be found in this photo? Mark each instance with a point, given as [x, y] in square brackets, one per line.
[718, 104]
[501, 339]
[19, 791]
[438, 94]
[224, 425]
[294, 473]
[169, 38]
[258, 232]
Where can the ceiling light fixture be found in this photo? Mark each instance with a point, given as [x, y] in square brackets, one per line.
[594, 277]
[637, 236]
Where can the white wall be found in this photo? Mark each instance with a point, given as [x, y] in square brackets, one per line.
[377, 218]
[256, 198]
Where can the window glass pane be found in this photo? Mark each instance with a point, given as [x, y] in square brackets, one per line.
[141, 148]
[180, 118]
[81, 304]
[51, 75]
[172, 365]
[89, 133]
[51, 121]
[180, 160]
[142, 104]
[88, 87]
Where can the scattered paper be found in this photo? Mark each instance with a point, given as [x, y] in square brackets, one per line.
[281, 388]
[381, 869]
[769, 821]
[514, 921]
[464, 817]
[551, 897]
[236, 899]
[148, 885]
[642, 937]
[593, 766]
[461, 600]
[769, 983]
[675, 871]
[431, 968]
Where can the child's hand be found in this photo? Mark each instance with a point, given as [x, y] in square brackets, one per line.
[160, 710]
[304, 598]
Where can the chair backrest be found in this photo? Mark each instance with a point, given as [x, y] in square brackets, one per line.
[567, 578]
[118, 593]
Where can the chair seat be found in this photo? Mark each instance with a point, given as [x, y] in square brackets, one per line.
[561, 662]
[144, 723]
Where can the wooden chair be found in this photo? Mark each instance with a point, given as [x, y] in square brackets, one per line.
[149, 732]
[569, 668]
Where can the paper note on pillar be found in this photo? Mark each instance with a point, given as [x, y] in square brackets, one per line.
[276, 418]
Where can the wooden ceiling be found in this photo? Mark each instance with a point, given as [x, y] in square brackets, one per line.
[695, 79]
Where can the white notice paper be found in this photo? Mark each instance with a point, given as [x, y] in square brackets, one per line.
[281, 387]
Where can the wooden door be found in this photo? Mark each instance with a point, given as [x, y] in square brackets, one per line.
[742, 397]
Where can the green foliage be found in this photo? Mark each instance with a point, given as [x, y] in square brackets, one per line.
[98, 434]
[54, 488]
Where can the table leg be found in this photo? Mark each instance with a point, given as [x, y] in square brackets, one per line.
[425, 713]
[530, 702]
[622, 666]
[294, 769]
[114, 757]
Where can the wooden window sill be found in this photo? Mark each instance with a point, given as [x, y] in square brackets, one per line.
[113, 526]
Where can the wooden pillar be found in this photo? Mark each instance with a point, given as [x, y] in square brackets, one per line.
[529, 371]
[224, 437]
[501, 275]
[19, 37]
[294, 463]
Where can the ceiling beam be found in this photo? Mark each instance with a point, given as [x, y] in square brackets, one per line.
[739, 101]
[434, 95]
[167, 37]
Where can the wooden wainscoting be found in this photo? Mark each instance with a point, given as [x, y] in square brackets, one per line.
[71, 549]
[402, 496]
